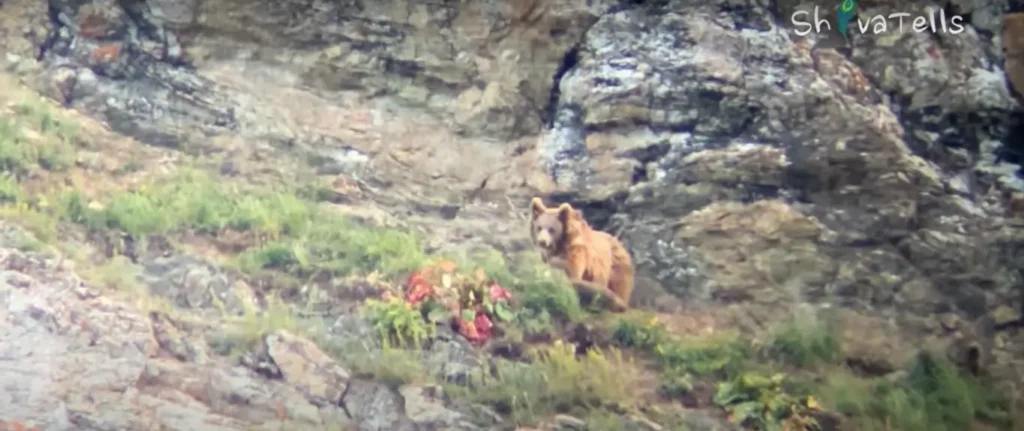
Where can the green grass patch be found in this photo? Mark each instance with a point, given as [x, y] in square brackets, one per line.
[35, 137]
[41, 117]
[192, 200]
[392, 366]
[752, 398]
[805, 344]
[718, 356]
[293, 235]
[42, 225]
[338, 246]
[933, 395]
[555, 381]
[10, 191]
[118, 273]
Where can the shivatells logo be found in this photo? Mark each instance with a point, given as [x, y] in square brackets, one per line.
[934, 20]
[847, 11]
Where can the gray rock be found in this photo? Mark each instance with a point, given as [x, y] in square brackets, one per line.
[428, 408]
[451, 357]
[304, 366]
[375, 407]
[193, 283]
[94, 363]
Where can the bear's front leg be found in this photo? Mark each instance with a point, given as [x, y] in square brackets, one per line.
[558, 262]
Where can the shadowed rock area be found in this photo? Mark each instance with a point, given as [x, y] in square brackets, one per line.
[754, 175]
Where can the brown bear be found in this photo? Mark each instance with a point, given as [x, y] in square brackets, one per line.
[595, 262]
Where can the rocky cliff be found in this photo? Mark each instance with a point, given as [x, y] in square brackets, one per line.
[752, 172]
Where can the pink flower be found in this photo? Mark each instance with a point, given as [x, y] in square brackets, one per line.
[483, 326]
[477, 331]
[498, 293]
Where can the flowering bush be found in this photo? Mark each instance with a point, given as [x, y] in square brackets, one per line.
[471, 302]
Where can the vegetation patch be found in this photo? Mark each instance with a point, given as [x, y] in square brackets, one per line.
[764, 403]
[398, 322]
[31, 137]
[280, 230]
[751, 398]
[718, 356]
[805, 344]
[472, 302]
[556, 380]
[933, 394]
[392, 366]
[118, 273]
[283, 230]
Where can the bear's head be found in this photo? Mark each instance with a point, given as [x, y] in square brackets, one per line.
[549, 227]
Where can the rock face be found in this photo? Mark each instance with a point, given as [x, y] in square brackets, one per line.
[335, 80]
[746, 166]
[76, 360]
[741, 163]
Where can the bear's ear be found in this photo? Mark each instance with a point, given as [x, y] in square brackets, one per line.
[565, 212]
[537, 207]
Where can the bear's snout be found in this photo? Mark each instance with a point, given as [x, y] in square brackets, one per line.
[544, 240]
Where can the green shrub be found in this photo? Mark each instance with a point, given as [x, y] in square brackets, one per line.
[805, 344]
[944, 398]
[933, 395]
[49, 148]
[721, 355]
[394, 367]
[763, 403]
[10, 191]
[398, 321]
[555, 381]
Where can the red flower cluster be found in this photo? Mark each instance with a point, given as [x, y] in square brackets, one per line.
[418, 288]
[470, 306]
[476, 331]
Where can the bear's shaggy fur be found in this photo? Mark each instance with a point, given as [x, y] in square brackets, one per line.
[595, 262]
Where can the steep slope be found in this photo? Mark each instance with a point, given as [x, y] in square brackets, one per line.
[754, 174]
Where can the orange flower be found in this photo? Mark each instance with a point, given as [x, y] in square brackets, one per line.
[418, 287]
[447, 265]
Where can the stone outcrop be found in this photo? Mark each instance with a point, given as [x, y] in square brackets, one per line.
[76, 359]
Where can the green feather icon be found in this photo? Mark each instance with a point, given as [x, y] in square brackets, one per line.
[847, 10]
